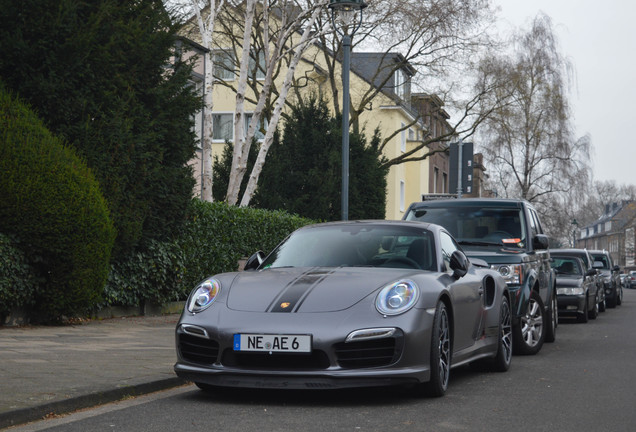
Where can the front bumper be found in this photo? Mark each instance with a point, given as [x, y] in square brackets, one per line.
[209, 356]
[571, 305]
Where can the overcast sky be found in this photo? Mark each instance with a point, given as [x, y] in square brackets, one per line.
[599, 38]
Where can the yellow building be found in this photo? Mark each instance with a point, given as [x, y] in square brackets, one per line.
[390, 110]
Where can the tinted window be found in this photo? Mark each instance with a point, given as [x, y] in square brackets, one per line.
[477, 224]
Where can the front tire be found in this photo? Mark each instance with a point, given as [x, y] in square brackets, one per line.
[582, 318]
[529, 334]
[553, 318]
[593, 314]
[441, 351]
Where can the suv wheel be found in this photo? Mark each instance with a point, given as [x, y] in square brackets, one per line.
[553, 318]
[529, 334]
[619, 295]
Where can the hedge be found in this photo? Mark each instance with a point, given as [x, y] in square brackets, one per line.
[52, 203]
[213, 240]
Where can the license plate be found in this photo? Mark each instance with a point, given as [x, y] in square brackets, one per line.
[272, 343]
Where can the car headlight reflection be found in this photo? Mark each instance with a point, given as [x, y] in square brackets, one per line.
[203, 295]
[397, 298]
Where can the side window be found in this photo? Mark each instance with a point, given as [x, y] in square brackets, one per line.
[448, 246]
[534, 223]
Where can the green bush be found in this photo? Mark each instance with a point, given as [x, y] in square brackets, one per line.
[52, 203]
[217, 235]
[213, 240]
[17, 278]
[154, 276]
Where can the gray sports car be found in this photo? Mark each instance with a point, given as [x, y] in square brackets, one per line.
[347, 304]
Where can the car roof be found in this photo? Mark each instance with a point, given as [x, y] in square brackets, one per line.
[379, 223]
[465, 202]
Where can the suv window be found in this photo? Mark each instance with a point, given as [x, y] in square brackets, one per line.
[477, 224]
[535, 225]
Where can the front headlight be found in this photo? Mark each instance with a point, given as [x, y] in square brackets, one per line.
[397, 298]
[512, 273]
[203, 295]
[570, 291]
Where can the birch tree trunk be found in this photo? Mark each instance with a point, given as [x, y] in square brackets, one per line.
[234, 182]
[206, 30]
[280, 103]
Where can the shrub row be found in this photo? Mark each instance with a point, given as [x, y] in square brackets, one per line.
[216, 236]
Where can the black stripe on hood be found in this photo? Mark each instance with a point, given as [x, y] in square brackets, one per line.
[293, 295]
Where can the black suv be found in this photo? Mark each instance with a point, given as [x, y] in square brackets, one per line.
[507, 234]
[610, 277]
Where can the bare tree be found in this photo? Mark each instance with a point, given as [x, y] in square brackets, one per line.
[528, 140]
[436, 40]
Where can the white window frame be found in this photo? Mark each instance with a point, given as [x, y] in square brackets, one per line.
[215, 128]
[260, 136]
[224, 58]
[260, 72]
[400, 83]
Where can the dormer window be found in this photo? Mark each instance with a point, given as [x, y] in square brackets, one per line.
[400, 84]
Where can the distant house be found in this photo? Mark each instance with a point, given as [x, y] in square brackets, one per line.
[615, 232]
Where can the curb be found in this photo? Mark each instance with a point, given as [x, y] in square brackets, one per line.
[27, 415]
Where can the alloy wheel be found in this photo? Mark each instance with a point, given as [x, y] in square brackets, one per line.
[532, 324]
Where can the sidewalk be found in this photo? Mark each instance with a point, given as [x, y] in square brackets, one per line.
[55, 370]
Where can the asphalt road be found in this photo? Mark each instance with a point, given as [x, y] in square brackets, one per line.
[585, 381]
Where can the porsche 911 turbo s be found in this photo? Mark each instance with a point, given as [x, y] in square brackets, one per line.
[347, 304]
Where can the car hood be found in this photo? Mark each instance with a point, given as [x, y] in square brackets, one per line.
[568, 281]
[308, 289]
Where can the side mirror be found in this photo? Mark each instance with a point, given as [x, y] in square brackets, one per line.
[617, 268]
[540, 241]
[591, 272]
[459, 264]
[254, 261]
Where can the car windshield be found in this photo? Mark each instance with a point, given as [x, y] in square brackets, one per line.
[567, 266]
[602, 258]
[476, 225]
[355, 245]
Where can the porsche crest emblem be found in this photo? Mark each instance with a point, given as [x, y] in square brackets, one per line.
[285, 305]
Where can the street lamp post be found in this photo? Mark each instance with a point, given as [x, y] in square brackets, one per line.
[345, 11]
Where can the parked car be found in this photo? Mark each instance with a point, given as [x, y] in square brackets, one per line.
[609, 276]
[508, 235]
[347, 304]
[591, 273]
[576, 291]
[632, 279]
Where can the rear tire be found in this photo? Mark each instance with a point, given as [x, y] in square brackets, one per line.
[503, 358]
